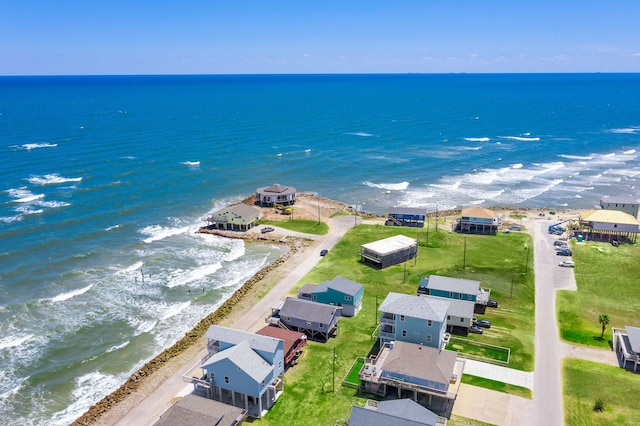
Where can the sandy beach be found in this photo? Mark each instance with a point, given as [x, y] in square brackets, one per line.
[153, 388]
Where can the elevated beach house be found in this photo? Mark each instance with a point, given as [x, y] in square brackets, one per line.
[242, 369]
[406, 216]
[626, 343]
[623, 204]
[237, 217]
[477, 220]
[457, 289]
[339, 292]
[317, 320]
[268, 196]
[606, 225]
[429, 375]
[414, 319]
[194, 410]
[401, 412]
[389, 251]
[294, 341]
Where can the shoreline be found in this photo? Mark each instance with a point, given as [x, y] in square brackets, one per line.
[114, 407]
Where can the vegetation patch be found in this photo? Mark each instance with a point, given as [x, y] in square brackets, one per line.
[482, 352]
[305, 226]
[598, 394]
[603, 274]
[497, 386]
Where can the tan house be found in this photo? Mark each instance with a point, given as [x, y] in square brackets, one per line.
[477, 220]
[237, 217]
[606, 225]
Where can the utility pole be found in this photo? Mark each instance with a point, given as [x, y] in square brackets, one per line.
[436, 218]
[318, 212]
[526, 265]
[415, 259]
[333, 378]
[464, 259]
[513, 277]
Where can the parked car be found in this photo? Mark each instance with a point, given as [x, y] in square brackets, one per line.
[567, 263]
[475, 329]
[562, 247]
[558, 243]
[564, 252]
[492, 303]
[482, 323]
[324, 252]
[266, 229]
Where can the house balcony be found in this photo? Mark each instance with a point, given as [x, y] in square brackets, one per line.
[387, 332]
[389, 319]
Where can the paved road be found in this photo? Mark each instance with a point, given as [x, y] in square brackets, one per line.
[150, 408]
[547, 401]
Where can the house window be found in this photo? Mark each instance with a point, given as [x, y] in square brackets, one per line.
[429, 323]
[321, 325]
[279, 364]
[348, 298]
[448, 317]
[428, 337]
[401, 317]
[450, 295]
[286, 318]
[404, 333]
[461, 319]
[226, 379]
[308, 322]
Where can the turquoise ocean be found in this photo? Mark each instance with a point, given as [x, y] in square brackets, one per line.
[105, 179]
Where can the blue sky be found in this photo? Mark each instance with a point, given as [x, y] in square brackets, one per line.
[52, 37]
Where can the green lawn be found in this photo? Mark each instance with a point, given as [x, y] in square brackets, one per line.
[494, 261]
[497, 386]
[477, 350]
[606, 285]
[585, 382]
[305, 226]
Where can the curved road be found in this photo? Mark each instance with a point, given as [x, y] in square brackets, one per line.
[148, 410]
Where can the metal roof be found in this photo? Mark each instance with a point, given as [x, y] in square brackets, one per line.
[343, 285]
[243, 357]
[276, 188]
[456, 285]
[609, 216]
[434, 309]
[390, 245]
[478, 212]
[309, 311]
[399, 412]
[457, 307]
[420, 361]
[240, 209]
[194, 410]
[634, 338]
[234, 337]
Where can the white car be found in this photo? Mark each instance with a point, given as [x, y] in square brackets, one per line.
[567, 263]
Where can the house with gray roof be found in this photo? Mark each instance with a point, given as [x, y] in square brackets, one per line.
[396, 412]
[456, 289]
[414, 319]
[241, 368]
[237, 217]
[627, 205]
[339, 292]
[194, 410]
[424, 371]
[267, 196]
[626, 343]
[316, 320]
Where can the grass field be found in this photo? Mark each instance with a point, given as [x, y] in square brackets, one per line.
[606, 285]
[497, 386]
[617, 389]
[497, 261]
[305, 226]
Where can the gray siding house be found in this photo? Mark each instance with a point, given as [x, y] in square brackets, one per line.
[316, 320]
[389, 251]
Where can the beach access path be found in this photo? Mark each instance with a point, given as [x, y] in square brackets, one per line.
[148, 410]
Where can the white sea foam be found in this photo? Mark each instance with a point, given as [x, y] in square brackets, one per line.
[23, 195]
[116, 347]
[517, 166]
[629, 152]
[191, 163]
[388, 186]
[53, 204]
[29, 146]
[14, 341]
[186, 277]
[175, 310]
[157, 232]
[519, 138]
[66, 296]
[625, 130]
[576, 157]
[484, 139]
[50, 179]
[362, 134]
[11, 219]
[112, 227]
[468, 148]
[133, 267]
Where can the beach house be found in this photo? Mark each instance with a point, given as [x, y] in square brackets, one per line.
[268, 196]
[623, 204]
[456, 289]
[626, 343]
[317, 320]
[430, 375]
[406, 216]
[237, 217]
[477, 220]
[389, 251]
[339, 292]
[401, 412]
[241, 368]
[414, 319]
[194, 410]
[607, 225]
[294, 341]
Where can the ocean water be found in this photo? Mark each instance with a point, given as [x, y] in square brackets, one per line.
[104, 181]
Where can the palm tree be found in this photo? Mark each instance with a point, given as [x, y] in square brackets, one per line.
[603, 319]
